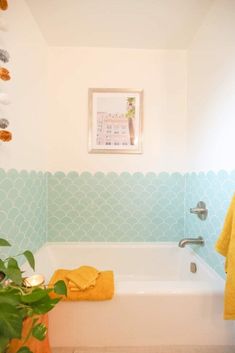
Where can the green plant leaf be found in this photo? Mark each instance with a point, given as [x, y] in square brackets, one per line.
[44, 305]
[60, 288]
[2, 270]
[30, 258]
[39, 332]
[13, 271]
[2, 265]
[14, 274]
[36, 295]
[24, 349]
[4, 242]
[10, 321]
[3, 343]
[12, 262]
[8, 296]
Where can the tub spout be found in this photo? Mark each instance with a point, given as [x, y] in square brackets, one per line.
[186, 241]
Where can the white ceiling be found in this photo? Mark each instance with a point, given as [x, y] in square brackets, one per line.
[153, 24]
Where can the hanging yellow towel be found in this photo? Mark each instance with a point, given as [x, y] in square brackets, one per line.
[82, 278]
[103, 289]
[226, 246]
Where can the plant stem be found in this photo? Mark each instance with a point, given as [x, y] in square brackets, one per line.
[30, 331]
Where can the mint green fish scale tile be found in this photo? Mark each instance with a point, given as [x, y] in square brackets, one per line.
[216, 189]
[114, 207]
[22, 210]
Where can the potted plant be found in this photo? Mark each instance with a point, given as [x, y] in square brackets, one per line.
[19, 302]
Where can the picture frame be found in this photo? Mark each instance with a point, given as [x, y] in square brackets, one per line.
[115, 120]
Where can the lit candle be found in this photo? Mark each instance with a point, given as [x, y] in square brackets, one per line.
[33, 281]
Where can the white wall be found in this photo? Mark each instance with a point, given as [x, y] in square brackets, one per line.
[59, 141]
[211, 91]
[161, 74]
[27, 89]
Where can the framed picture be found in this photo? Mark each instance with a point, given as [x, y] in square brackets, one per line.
[115, 120]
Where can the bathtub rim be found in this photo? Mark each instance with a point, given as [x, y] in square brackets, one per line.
[133, 245]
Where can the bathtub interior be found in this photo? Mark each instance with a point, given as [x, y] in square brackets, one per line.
[132, 263]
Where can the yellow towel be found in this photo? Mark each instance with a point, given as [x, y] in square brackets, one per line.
[82, 278]
[226, 246]
[103, 289]
[74, 288]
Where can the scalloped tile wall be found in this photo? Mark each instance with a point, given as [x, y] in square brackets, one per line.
[139, 208]
[216, 189]
[115, 207]
[23, 210]
[36, 207]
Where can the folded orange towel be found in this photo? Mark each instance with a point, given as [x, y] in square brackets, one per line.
[103, 289]
[82, 278]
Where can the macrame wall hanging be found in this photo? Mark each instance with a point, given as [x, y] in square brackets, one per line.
[5, 135]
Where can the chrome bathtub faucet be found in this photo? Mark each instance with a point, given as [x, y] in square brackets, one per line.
[186, 241]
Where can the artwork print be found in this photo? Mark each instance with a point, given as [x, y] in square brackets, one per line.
[115, 121]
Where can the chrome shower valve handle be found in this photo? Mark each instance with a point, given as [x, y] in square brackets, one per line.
[200, 210]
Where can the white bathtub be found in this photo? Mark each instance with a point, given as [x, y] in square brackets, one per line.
[158, 301]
